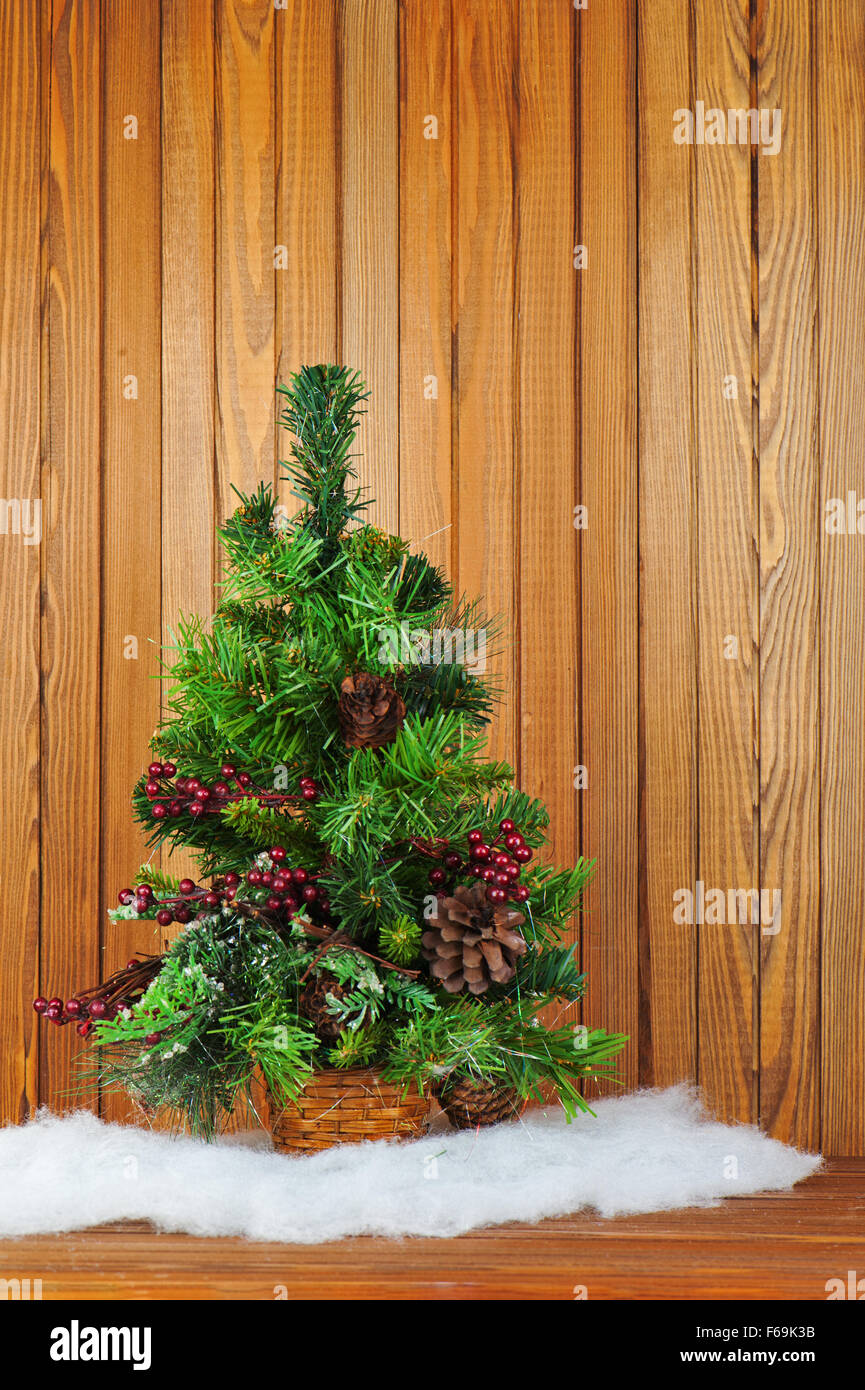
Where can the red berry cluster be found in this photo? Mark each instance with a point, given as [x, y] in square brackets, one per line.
[499, 868]
[196, 798]
[179, 909]
[277, 889]
[282, 889]
[102, 1001]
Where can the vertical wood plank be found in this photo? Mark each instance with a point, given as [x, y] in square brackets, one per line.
[841, 239]
[668, 654]
[487, 540]
[608, 363]
[425, 156]
[727, 565]
[789, 571]
[188, 356]
[370, 239]
[131, 536]
[21, 171]
[546, 412]
[71, 515]
[307, 184]
[245, 169]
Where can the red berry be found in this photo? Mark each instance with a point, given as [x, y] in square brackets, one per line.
[267, 878]
[152, 1038]
[244, 779]
[514, 841]
[55, 1003]
[520, 892]
[513, 871]
[125, 896]
[523, 854]
[168, 769]
[507, 827]
[73, 1007]
[232, 880]
[476, 870]
[310, 892]
[175, 808]
[182, 915]
[221, 789]
[254, 876]
[480, 852]
[476, 837]
[501, 860]
[496, 895]
[202, 794]
[186, 886]
[273, 903]
[437, 877]
[299, 875]
[452, 861]
[228, 770]
[309, 793]
[488, 874]
[324, 904]
[196, 809]
[40, 1004]
[84, 1028]
[144, 890]
[152, 788]
[192, 785]
[164, 917]
[211, 899]
[97, 1008]
[131, 964]
[154, 770]
[277, 854]
[159, 811]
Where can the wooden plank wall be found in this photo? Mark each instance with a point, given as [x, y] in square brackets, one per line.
[481, 207]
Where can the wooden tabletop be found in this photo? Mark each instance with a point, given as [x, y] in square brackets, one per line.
[776, 1246]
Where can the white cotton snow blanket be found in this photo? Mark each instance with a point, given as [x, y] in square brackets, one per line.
[649, 1151]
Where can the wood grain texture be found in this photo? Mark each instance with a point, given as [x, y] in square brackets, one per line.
[840, 30]
[131, 407]
[188, 349]
[727, 571]
[546, 438]
[21, 122]
[307, 100]
[668, 552]
[609, 547]
[410, 258]
[71, 518]
[484, 492]
[789, 575]
[775, 1246]
[244, 271]
[426, 155]
[369, 239]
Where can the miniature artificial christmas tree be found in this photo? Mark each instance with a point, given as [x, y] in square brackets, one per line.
[368, 901]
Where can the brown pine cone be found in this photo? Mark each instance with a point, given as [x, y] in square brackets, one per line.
[312, 1004]
[371, 713]
[469, 1104]
[470, 942]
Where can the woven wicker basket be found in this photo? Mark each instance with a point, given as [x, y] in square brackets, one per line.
[345, 1107]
